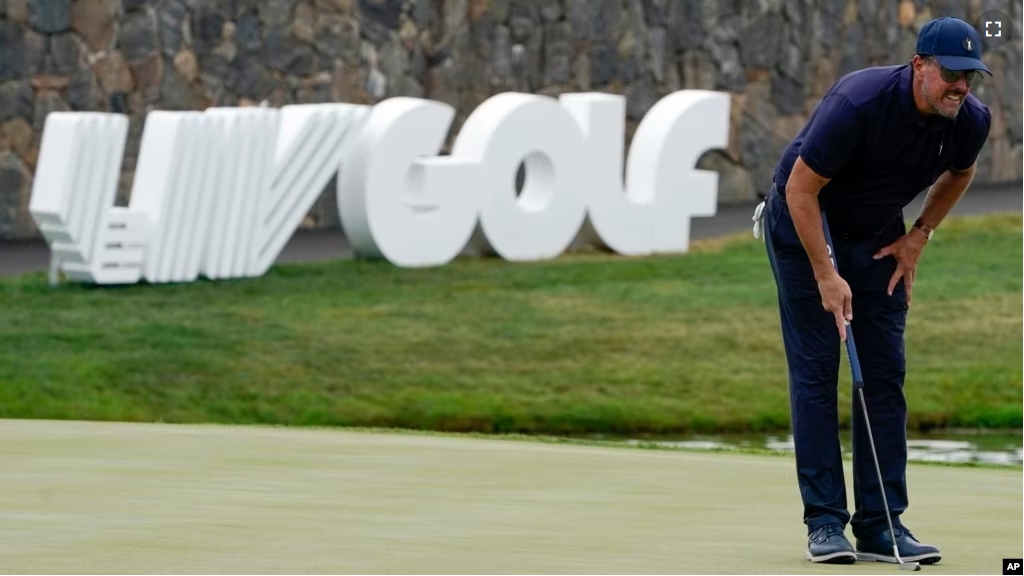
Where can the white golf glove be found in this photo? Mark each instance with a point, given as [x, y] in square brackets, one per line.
[758, 220]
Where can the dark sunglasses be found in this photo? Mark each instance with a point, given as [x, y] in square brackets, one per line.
[973, 77]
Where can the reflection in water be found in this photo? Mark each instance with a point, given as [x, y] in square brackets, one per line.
[966, 448]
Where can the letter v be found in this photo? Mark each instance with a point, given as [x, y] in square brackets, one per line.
[312, 142]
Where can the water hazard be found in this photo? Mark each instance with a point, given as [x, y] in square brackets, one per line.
[950, 447]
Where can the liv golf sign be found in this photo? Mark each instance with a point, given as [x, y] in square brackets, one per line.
[219, 193]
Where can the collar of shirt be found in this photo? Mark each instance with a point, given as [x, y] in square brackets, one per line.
[931, 122]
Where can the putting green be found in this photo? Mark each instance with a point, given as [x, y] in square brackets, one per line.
[100, 497]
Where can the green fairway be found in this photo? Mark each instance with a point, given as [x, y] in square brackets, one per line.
[142, 498]
[583, 344]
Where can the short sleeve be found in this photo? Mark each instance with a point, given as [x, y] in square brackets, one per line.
[834, 132]
[974, 140]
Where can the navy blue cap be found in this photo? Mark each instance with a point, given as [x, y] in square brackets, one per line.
[953, 42]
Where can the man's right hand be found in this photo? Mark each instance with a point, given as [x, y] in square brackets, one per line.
[837, 299]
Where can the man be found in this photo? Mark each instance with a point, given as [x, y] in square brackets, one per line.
[878, 138]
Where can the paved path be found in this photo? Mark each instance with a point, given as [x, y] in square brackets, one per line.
[310, 246]
[111, 498]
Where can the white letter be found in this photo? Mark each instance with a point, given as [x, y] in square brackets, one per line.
[244, 181]
[666, 147]
[504, 131]
[396, 204]
[73, 198]
[313, 140]
[618, 219]
[178, 156]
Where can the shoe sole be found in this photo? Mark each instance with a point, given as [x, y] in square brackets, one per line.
[926, 559]
[833, 558]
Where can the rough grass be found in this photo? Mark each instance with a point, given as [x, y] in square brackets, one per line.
[583, 344]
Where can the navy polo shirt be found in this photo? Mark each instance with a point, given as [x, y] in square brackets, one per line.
[879, 151]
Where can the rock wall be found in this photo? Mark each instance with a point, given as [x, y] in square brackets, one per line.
[776, 58]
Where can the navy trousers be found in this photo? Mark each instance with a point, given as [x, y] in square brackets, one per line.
[813, 351]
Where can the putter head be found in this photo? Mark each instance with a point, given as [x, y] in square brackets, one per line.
[909, 566]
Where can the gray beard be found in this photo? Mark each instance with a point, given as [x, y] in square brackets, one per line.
[941, 112]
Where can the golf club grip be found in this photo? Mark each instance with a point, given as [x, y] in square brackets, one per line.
[851, 346]
[851, 351]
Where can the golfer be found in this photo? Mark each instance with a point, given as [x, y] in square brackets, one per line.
[877, 139]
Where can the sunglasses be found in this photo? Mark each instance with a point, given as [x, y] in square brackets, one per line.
[973, 77]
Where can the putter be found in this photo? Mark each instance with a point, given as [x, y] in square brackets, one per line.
[858, 386]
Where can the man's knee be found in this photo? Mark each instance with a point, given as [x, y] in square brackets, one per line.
[814, 373]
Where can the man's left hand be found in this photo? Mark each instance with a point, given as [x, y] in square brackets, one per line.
[907, 251]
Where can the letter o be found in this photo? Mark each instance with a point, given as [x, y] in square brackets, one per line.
[501, 133]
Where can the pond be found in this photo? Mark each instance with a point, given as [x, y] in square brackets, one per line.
[964, 446]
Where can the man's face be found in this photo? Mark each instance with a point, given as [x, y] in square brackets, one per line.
[942, 97]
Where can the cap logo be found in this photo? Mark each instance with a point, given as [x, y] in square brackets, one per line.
[968, 45]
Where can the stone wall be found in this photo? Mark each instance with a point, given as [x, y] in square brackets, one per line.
[776, 57]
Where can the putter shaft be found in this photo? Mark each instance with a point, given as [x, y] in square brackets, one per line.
[858, 385]
[911, 566]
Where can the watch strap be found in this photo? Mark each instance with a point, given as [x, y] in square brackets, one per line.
[928, 230]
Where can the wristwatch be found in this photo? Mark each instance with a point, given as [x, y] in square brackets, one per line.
[928, 230]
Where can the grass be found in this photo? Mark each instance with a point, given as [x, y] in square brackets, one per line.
[586, 343]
